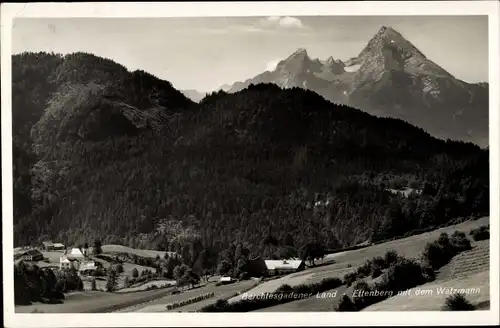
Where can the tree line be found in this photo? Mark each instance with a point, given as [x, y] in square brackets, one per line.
[276, 173]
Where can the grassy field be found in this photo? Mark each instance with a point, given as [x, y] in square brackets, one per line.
[410, 247]
[223, 291]
[95, 302]
[427, 297]
[113, 249]
[129, 267]
[326, 301]
[467, 270]
[157, 283]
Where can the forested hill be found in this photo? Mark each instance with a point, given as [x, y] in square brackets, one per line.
[124, 157]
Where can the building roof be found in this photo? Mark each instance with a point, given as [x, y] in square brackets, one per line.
[47, 243]
[58, 245]
[283, 264]
[74, 253]
[32, 252]
[225, 278]
[66, 258]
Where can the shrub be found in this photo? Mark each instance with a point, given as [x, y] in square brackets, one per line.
[365, 269]
[376, 272]
[93, 285]
[457, 302]
[135, 273]
[119, 268]
[428, 272]
[481, 233]
[379, 262]
[220, 306]
[349, 278]
[360, 300]
[126, 282]
[440, 252]
[390, 258]
[284, 289]
[403, 275]
[346, 305]
[459, 242]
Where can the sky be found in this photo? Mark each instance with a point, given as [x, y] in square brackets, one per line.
[204, 53]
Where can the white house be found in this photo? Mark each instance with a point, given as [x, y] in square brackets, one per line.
[66, 263]
[284, 266]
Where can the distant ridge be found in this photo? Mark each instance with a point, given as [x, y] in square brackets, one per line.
[390, 77]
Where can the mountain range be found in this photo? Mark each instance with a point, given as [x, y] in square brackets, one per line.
[390, 77]
[194, 95]
[101, 152]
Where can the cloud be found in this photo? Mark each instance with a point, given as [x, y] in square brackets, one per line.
[271, 24]
[271, 65]
[282, 22]
[234, 29]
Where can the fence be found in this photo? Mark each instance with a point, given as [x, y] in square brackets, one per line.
[191, 300]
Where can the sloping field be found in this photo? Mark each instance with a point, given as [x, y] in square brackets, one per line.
[224, 291]
[129, 267]
[317, 303]
[95, 302]
[159, 305]
[432, 296]
[410, 247]
[157, 283]
[271, 285]
[471, 262]
[110, 249]
[326, 301]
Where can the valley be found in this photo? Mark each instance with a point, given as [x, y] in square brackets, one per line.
[320, 176]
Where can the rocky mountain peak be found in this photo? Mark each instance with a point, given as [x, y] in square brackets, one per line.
[296, 63]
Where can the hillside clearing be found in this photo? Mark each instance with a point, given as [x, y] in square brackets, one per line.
[410, 247]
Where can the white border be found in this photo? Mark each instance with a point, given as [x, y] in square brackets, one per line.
[379, 8]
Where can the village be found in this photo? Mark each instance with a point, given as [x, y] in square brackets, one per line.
[137, 273]
[142, 287]
[87, 263]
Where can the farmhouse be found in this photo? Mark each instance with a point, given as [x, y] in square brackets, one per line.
[66, 264]
[284, 266]
[30, 255]
[71, 259]
[58, 246]
[47, 246]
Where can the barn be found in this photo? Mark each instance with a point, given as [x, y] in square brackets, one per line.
[31, 255]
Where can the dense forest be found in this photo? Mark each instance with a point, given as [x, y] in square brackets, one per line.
[124, 157]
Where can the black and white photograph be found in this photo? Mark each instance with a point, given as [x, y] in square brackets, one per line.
[282, 158]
